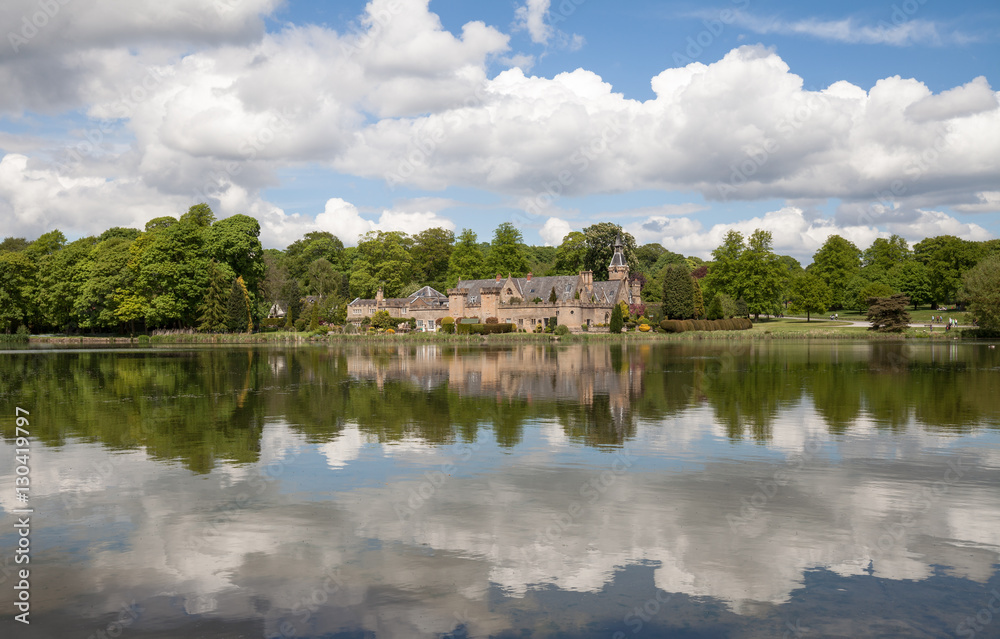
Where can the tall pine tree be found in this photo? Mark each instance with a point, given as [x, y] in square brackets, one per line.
[238, 316]
[213, 307]
[678, 292]
[699, 299]
[617, 321]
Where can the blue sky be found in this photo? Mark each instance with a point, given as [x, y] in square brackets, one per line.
[676, 120]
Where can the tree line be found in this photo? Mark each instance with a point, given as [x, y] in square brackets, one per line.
[746, 277]
[193, 271]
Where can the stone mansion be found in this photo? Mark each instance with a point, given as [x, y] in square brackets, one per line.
[522, 301]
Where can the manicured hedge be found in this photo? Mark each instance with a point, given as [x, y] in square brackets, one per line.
[483, 329]
[681, 326]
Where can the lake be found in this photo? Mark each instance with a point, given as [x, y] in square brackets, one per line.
[695, 489]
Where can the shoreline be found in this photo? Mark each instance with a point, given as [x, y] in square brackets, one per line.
[758, 333]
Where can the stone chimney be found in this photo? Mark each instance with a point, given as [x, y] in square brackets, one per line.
[498, 277]
[586, 285]
[379, 296]
[529, 276]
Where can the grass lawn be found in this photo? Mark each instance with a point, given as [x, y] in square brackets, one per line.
[920, 316]
[791, 325]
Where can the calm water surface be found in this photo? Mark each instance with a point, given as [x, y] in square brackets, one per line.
[682, 490]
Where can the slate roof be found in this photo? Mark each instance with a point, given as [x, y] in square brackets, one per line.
[474, 288]
[565, 286]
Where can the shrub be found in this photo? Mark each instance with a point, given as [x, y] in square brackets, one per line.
[670, 326]
[537, 300]
[300, 324]
[382, 319]
[483, 329]
[561, 329]
[492, 320]
[389, 331]
[616, 320]
[584, 328]
[889, 314]
[644, 328]
[448, 325]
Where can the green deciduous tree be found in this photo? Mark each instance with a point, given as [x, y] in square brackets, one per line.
[60, 281]
[852, 292]
[170, 265]
[600, 248]
[836, 262]
[13, 244]
[235, 242]
[103, 272]
[466, 261]
[724, 271]
[886, 253]
[872, 291]
[507, 252]
[911, 279]
[571, 254]
[382, 319]
[322, 279]
[313, 246]
[810, 294]
[16, 270]
[720, 307]
[431, 253]
[981, 286]
[383, 260]
[947, 258]
[760, 275]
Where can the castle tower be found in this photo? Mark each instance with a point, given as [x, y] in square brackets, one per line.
[489, 306]
[457, 298]
[618, 269]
